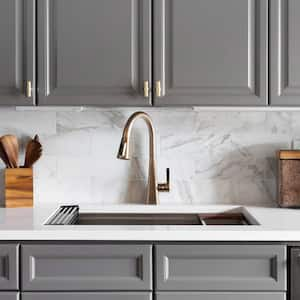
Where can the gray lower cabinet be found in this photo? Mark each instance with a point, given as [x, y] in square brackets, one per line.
[220, 296]
[294, 273]
[284, 51]
[94, 52]
[9, 296]
[87, 296]
[9, 268]
[210, 52]
[86, 267]
[16, 51]
[221, 268]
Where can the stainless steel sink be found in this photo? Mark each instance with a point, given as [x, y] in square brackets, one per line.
[71, 215]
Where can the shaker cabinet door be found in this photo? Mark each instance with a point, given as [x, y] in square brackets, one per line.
[87, 296]
[94, 52]
[9, 296]
[210, 52]
[17, 52]
[284, 51]
[220, 296]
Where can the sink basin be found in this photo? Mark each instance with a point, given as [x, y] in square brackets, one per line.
[71, 215]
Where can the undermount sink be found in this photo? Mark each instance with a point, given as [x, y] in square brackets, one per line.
[71, 215]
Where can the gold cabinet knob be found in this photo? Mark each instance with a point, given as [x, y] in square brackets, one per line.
[28, 89]
[158, 88]
[146, 89]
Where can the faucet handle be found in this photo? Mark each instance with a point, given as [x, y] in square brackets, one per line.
[165, 187]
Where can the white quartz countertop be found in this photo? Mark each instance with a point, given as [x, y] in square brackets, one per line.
[276, 224]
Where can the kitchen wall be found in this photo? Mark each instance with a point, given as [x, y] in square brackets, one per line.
[214, 157]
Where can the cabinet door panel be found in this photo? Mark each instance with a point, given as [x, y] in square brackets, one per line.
[16, 51]
[87, 296]
[9, 296]
[285, 49]
[86, 267]
[94, 52]
[9, 267]
[295, 273]
[211, 52]
[221, 267]
[221, 296]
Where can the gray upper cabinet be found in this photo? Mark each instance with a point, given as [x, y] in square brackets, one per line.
[17, 51]
[284, 51]
[210, 52]
[94, 52]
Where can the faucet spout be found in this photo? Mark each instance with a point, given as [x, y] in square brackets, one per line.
[123, 153]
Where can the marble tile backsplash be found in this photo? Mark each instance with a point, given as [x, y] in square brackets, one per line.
[215, 157]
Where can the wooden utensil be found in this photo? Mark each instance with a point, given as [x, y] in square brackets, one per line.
[4, 156]
[10, 146]
[33, 152]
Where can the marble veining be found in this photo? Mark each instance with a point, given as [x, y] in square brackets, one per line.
[215, 157]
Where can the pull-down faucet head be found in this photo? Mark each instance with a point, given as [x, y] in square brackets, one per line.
[123, 153]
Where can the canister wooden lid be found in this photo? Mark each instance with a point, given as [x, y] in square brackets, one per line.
[289, 154]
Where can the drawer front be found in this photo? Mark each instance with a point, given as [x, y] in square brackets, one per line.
[86, 267]
[9, 261]
[295, 273]
[220, 296]
[221, 267]
[9, 296]
[87, 296]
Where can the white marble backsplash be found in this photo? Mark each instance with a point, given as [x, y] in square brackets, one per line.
[215, 157]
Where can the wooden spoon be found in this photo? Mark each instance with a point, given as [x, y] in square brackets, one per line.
[33, 152]
[4, 157]
[11, 148]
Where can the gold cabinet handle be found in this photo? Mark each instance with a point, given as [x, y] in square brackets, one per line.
[28, 89]
[146, 89]
[165, 187]
[158, 88]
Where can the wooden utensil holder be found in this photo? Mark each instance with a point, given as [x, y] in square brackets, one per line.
[18, 187]
[289, 179]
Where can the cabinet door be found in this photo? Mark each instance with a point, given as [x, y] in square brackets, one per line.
[87, 296]
[210, 52]
[86, 267]
[284, 50]
[295, 273]
[94, 52]
[221, 267]
[9, 267]
[221, 296]
[16, 51]
[9, 296]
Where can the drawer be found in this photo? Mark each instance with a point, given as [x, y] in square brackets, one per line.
[220, 296]
[9, 267]
[221, 267]
[87, 296]
[86, 267]
[9, 296]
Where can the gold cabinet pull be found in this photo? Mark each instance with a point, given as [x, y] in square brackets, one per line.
[146, 89]
[158, 88]
[28, 89]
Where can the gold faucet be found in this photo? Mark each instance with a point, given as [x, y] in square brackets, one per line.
[153, 187]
